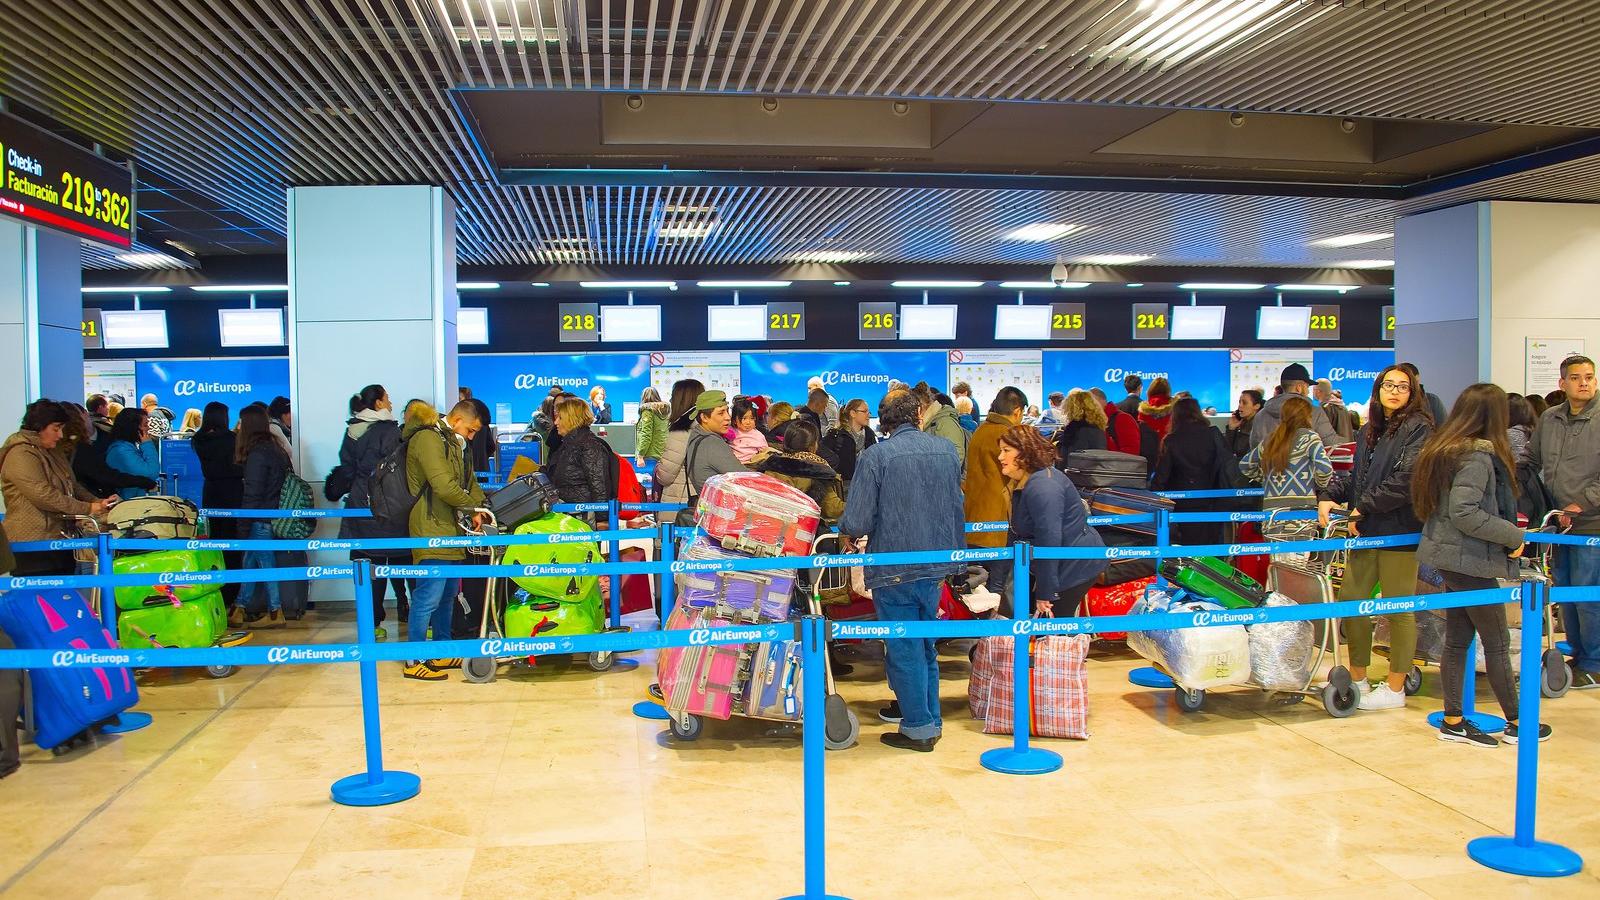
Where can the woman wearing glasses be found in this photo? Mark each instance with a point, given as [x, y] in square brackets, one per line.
[1377, 492]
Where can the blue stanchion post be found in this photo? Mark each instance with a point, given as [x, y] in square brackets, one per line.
[813, 650]
[1522, 853]
[649, 709]
[1019, 758]
[376, 786]
[1150, 676]
[129, 719]
[614, 555]
[1485, 722]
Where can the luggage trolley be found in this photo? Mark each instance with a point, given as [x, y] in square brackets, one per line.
[1557, 675]
[1313, 578]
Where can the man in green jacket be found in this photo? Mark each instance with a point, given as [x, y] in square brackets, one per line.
[439, 475]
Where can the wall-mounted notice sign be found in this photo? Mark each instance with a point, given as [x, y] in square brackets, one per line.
[1543, 369]
[1150, 322]
[48, 182]
[579, 323]
[1388, 323]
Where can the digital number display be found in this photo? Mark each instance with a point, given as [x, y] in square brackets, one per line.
[1067, 321]
[579, 322]
[1151, 322]
[92, 329]
[878, 320]
[1325, 322]
[786, 321]
[1388, 323]
[50, 183]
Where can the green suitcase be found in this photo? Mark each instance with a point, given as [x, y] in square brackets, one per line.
[585, 616]
[1213, 579]
[194, 623]
[163, 561]
[557, 587]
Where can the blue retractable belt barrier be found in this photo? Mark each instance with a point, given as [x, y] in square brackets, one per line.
[48, 546]
[286, 513]
[364, 544]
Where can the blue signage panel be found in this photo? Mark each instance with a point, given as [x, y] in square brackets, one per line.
[182, 384]
[1203, 373]
[1351, 371]
[523, 380]
[846, 374]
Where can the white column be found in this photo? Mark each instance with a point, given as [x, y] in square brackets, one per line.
[41, 315]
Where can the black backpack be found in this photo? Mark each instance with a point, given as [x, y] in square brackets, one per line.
[389, 493]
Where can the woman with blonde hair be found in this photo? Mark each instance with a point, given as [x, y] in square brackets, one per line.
[583, 469]
[1086, 424]
[191, 421]
[599, 409]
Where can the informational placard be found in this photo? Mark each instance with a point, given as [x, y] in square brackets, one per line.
[1544, 355]
[1067, 321]
[987, 371]
[112, 377]
[845, 374]
[786, 321]
[1261, 369]
[93, 329]
[1150, 322]
[1388, 323]
[579, 323]
[1203, 373]
[878, 320]
[1351, 372]
[184, 384]
[718, 370]
[1325, 322]
[523, 380]
[50, 183]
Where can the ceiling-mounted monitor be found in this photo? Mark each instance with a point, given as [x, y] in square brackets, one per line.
[251, 327]
[1284, 323]
[134, 329]
[630, 324]
[1197, 323]
[472, 326]
[730, 324]
[927, 322]
[1022, 323]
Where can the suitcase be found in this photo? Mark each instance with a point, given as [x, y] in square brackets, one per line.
[66, 701]
[700, 680]
[161, 562]
[530, 616]
[154, 517]
[758, 515]
[195, 623]
[558, 587]
[1196, 658]
[1254, 565]
[1090, 469]
[1115, 600]
[1210, 578]
[522, 500]
[761, 596]
[951, 607]
[1343, 457]
[775, 686]
[1122, 571]
[1058, 686]
[1122, 501]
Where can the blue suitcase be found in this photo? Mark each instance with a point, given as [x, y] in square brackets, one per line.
[66, 701]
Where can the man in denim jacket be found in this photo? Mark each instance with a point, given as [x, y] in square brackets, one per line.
[906, 496]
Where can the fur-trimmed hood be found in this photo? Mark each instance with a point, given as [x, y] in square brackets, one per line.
[797, 465]
[1156, 406]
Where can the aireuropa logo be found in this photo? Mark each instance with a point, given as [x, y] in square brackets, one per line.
[491, 647]
[538, 571]
[699, 637]
[23, 583]
[1022, 627]
[315, 572]
[1366, 607]
[1592, 542]
[833, 377]
[330, 545]
[59, 545]
[278, 655]
[679, 566]
[819, 562]
[1340, 373]
[1367, 543]
[1202, 618]
[958, 556]
[1130, 552]
[61, 658]
[305, 514]
[168, 578]
[189, 388]
[526, 382]
[1115, 376]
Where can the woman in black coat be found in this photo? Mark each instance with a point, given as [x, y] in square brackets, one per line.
[223, 487]
[265, 467]
[370, 437]
[584, 469]
[1193, 458]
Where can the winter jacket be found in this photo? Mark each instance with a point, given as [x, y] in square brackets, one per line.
[39, 489]
[805, 414]
[746, 444]
[224, 477]
[651, 430]
[707, 455]
[1079, 435]
[1130, 404]
[584, 469]
[1566, 452]
[907, 496]
[830, 413]
[264, 471]
[1156, 414]
[810, 473]
[89, 465]
[1298, 485]
[282, 434]
[601, 413]
[1474, 527]
[1122, 430]
[1266, 420]
[1435, 405]
[436, 460]
[1519, 436]
[134, 461]
[669, 468]
[968, 421]
[1238, 440]
[1047, 511]
[370, 438]
[1195, 459]
[1379, 484]
[1339, 420]
[840, 444]
[986, 493]
[943, 423]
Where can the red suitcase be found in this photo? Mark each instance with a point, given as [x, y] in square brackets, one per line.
[1115, 600]
[1343, 457]
[700, 680]
[756, 514]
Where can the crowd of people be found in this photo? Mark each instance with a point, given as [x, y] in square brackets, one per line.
[929, 466]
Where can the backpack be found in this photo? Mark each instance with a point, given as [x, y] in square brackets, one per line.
[389, 492]
[296, 494]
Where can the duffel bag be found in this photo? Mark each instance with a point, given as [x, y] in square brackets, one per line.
[154, 517]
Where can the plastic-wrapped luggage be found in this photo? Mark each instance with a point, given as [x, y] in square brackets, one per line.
[1115, 600]
[701, 680]
[1058, 692]
[527, 615]
[1281, 653]
[559, 587]
[1210, 578]
[66, 701]
[1121, 501]
[1089, 469]
[522, 500]
[775, 688]
[160, 562]
[757, 514]
[1196, 658]
[154, 517]
[198, 622]
[760, 596]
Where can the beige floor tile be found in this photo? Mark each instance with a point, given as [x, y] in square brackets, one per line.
[426, 874]
[560, 871]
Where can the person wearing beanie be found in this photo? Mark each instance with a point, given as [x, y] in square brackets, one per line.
[1294, 382]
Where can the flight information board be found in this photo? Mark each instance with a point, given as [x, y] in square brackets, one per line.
[50, 183]
[786, 321]
[580, 323]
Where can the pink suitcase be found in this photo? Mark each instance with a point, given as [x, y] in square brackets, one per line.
[761, 596]
[701, 680]
[758, 515]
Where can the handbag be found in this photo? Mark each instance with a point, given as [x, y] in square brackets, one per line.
[686, 517]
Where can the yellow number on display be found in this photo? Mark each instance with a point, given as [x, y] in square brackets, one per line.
[877, 320]
[1151, 320]
[1389, 324]
[782, 321]
[572, 322]
[89, 329]
[1071, 321]
[1324, 323]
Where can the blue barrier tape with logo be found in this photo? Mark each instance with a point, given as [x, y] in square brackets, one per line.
[1564, 540]
[47, 546]
[177, 579]
[1133, 519]
[462, 542]
[1269, 548]
[1292, 515]
[581, 507]
[1217, 494]
[425, 571]
[286, 513]
[651, 507]
[1581, 593]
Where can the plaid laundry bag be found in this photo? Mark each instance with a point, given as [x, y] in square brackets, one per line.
[1059, 698]
[982, 675]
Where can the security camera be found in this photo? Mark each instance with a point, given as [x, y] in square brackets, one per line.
[1347, 125]
[1058, 274]
[1236, 120]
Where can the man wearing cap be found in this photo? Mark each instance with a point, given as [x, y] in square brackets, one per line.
[707, 453]
[1295, 380]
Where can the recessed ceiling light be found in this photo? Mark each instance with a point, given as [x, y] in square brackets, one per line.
[1353, 240]
[1363, 264]
[831, 256]
[240, 288]
[128, 289]
[628, 285]
[692, 230]
[841, 284]
[540, 283]
[1041, 231]
[743, 284]
[149, 260]
[1112, 259]
[1043, 285]
[477, 285]
[1135, 284]
[1172, 30]
[1330, 288]
[1219, 286]
[936, 284]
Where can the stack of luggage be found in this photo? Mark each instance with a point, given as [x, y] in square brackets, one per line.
[741, 515]
[1196, 658]
[1280, 653]
[192, 615]
[1115, 483]
[547, 604]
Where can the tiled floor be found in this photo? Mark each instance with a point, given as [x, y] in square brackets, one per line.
[542, 784]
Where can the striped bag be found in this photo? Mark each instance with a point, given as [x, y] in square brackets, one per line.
[1058, 704]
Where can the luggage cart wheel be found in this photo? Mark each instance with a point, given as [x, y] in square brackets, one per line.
[1413, 680]
[478, 669]
[851, 732]
[1557, 677]
[687, 727]
[601, 660]
[1339, 703]
[1190, 701]
[221, 671]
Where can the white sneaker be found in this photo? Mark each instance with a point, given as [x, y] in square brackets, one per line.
[1382, 697]
[1363, 687]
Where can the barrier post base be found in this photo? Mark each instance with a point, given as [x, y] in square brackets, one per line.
[1150, 677]
[1539, 859]
[1011, 761]
[391, 787]
[1485, 722]
[649, 709]
[127, 721]
[809, 897]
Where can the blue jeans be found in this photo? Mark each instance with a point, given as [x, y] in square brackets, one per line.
[913, 664]
[1578, 566]
[433, 601]
[260, 530]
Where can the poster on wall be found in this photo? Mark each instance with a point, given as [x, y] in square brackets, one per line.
[987, 371]
[111, 377]
[845, 373]
[718, 370]
[521, 381]
[185, 384]
[1261, 368]
[1543, 367]
[1203, 373]
[1352, 373]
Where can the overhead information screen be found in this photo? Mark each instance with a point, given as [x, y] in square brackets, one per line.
[48, 182]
